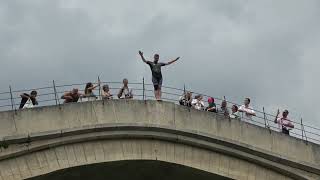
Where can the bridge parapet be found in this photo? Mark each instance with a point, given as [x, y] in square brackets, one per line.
[96, 116]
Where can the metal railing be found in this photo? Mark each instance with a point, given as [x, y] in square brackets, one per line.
[51, 95]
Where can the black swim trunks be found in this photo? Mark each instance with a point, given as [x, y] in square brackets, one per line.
[156, 74]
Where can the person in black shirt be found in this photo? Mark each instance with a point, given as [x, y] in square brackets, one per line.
[25, 97]
[155, 67]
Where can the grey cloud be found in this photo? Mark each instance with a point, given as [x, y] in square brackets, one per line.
[267, 50]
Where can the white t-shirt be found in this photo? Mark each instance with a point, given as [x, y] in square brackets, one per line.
[127, 92]
[197, 104]
[284, 122]
[234, 115]
[245, 115]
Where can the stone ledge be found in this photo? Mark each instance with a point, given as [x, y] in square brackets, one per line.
[126, 130]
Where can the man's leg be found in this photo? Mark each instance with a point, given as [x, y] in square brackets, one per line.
[160, 93]
[285, 131]
[156, 92]
[159, 88]
[156, 86]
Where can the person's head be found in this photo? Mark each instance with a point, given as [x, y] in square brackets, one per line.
[33, 94]
[74, 91]
[234, 108]
[285, 113]
[125, 82]
[188, 95]
[88, 85]
[199, 97]
[210, 100]
[156, 58]
[105, 88]
[247, 101]
[224, 104]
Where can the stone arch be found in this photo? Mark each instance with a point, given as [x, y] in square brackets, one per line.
[131, 169]
[58, 156]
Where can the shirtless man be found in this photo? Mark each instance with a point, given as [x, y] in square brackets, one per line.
[155, 67]
[71, 96]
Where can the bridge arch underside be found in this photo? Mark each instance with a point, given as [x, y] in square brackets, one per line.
[131, 169]
[52, 159]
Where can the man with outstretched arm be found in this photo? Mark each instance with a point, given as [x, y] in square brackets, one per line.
[155, 67]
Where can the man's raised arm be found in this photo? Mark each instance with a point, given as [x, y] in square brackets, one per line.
[170, 62]
[141, 55]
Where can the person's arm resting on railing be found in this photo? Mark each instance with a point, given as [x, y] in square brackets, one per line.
[251, 112]
[23, 95]
[67, 96]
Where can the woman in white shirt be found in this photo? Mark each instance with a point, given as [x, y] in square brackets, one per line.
[198, 103]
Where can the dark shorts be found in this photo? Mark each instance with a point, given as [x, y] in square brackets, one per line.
[157, 83]
[285, 131]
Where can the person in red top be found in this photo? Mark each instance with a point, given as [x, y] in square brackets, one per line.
[284, 123]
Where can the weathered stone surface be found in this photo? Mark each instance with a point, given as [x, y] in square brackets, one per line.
[93, 132]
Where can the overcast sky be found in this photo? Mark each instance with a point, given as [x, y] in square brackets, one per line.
[267, 50]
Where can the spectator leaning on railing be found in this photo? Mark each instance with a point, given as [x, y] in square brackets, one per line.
[186, 99]
[224, 108]
[234, 112]
[198, 103]
[88, 91]
[284, 123]
[106, 92]
[125, 92]
[28, 100]
[246, 110]
[211, 105]
[71, 96]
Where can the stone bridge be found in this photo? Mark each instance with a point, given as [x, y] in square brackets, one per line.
[120, 139]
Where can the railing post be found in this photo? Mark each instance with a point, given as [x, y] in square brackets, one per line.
[99, 87]
[55, 92]
[143, 89]
[264, 117]
[13, 107]
[302, 129]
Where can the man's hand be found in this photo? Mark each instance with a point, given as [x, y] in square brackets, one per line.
[143, 59]
[170, 62]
